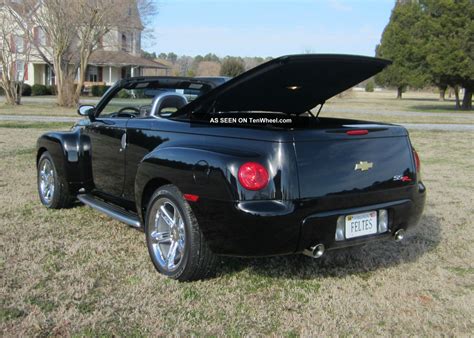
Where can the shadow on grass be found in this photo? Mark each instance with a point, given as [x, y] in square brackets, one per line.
[361, 260]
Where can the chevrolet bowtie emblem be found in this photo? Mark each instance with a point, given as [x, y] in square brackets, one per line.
[363, 166]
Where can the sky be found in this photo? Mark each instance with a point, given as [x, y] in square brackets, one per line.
[268, 27]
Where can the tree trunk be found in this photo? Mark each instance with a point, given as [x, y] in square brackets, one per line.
[399, 93]
[467, 99]
[65, 75]
[442, 92]
[456, 94]
[82, 77]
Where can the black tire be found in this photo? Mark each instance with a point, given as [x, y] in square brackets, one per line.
[59, 197]
[197, 260]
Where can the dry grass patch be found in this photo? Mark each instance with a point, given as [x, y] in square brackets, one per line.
[76, 272]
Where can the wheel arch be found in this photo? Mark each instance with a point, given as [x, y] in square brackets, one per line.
[150, 187]
[40, 152]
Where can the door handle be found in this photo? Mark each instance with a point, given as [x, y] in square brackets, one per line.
[123, 142]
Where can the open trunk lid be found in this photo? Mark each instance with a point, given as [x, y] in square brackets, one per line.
[290, 84]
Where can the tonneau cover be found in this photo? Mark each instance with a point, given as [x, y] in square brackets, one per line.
[290, 84]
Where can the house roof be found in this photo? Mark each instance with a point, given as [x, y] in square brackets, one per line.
[121, 58]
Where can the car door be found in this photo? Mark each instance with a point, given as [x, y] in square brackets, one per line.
[108, 141]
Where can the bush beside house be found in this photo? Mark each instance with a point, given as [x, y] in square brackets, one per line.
[99, 90]
[39, 89]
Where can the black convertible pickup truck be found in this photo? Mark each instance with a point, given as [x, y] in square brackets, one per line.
[242, 166]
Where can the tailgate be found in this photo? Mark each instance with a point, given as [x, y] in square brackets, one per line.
[343, 164]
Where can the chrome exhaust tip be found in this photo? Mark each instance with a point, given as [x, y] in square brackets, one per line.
[399, 235]
[315, 251]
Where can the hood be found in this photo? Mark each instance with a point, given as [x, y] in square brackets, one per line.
[290, 84]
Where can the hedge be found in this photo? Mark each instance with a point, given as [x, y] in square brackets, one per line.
[99, 90]
[26, 90]
[39, 89]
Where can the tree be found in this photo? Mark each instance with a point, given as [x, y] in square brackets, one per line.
[148, 55]
[208, 68]
[400, 43]
[74, 29]
[14, 55]
[369, 86]
[183, 65]
[232, 66]
[211, 57]
[172, 57]
[448, 31]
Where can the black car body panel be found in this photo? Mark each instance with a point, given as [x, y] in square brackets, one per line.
[312, 179]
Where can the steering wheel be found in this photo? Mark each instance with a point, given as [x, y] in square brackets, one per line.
[135, 109]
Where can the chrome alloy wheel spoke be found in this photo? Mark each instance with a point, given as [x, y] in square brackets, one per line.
[170, 260]
[46, 175]
[160, 237]
[167, 235]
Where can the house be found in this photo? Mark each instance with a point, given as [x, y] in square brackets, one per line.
[118, 55]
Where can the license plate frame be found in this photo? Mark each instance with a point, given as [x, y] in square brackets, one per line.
[361, 224]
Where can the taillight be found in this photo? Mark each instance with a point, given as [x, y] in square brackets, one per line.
[253, 176]
[357, 132]
[417, 161]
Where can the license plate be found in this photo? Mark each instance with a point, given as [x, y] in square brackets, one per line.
[362, 224]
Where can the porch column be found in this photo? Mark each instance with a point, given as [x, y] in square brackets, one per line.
[132, 71]
[110, 74]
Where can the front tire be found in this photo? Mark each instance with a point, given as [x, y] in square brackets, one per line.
[175, 243]
[52, 189]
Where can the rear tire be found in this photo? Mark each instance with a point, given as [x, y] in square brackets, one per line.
[175, 242]
[52, 189]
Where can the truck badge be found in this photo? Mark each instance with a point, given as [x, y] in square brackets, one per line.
[363, 166]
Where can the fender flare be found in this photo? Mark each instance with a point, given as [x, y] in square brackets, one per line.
[71, 155]
[195, 170]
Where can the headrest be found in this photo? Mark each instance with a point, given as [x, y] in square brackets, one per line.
[168, 100]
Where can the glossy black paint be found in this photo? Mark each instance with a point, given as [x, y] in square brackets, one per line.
[312, 176]
[108, 164]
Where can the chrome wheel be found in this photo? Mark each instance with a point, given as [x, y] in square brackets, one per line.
[167, 235]
[47, 180]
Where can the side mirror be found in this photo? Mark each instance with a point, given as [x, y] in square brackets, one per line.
[86, 110]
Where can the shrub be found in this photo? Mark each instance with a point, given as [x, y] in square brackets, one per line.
[369, 86]
[232, 66]
[99, 90]
[123, 94]
[39, 89]
[26, 90]
[53, 90]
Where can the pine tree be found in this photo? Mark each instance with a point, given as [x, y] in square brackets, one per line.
[400, 43]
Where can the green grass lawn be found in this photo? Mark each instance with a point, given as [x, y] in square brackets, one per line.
[77, 272]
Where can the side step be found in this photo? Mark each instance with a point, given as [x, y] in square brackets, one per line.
[111, 210]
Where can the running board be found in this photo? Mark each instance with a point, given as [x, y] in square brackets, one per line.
[111, 210]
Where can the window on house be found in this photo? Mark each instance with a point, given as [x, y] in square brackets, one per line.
[125, 43]
[41, 37]
[19, 44]
[92, 74]
[20, 70]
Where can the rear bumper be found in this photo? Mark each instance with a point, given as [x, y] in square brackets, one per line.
[266, 228]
